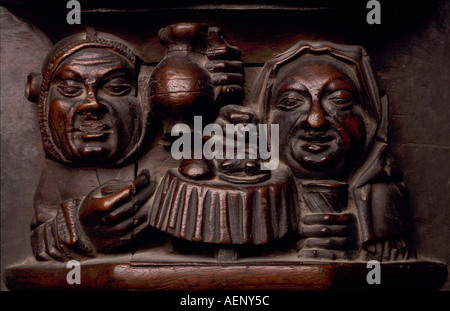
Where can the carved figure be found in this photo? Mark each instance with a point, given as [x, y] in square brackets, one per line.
[95, 123]
[333, 132]
[91, 116]
[333, 137]
[326, 189]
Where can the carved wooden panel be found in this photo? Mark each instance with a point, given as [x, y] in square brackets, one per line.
[189, 144]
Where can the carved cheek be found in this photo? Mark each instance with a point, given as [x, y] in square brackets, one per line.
[59, 116]
[122, 116]
[288, 122]
[351, 129]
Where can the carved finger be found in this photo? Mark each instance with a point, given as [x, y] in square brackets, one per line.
[137, 226]
[112, 187]
[327, 219]
[144, 194]
[140, 215]
[106, 203]
[130, 208]
[227, 79]
[225, 52]
[326, 231]
[327, 243]
[409, 253]
[220, 49]
[225, 66]
[379, 250]
[321, 254]
[112, 201]
[316, 253]
[142, 180]
[123, 212]
[243, 117]
[394, 254]
[141, 199]
[403, 251]
[121, 228]
[236, 114]
[229, 93]
[140, 227]
[386, 250]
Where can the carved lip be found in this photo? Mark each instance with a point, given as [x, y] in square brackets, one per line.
[316, 142]
[316, 138]
[95, 136]
[92, 126]
[93, 131]
[315, 148]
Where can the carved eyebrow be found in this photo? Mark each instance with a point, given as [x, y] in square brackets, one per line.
[292, 92]
[341, 83]
[294, 88]
[116, 73]
[67, 74]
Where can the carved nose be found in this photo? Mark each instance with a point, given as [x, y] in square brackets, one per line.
[316, 116]
[91, 103]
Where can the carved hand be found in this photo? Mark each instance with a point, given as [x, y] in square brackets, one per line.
[247, 169]
[396, 248]
[226, 67]
[235, 114]
[327, 236]
[112, 211]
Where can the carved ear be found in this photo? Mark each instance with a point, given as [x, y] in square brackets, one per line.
[33, 87]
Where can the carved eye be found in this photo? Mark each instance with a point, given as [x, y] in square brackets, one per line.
[289, 103]
[70, 88]
[117, 87]
[341, 99]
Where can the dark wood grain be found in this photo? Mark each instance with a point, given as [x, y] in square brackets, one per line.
[252, 276]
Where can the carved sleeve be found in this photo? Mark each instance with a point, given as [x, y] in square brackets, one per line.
[55, 230]
[61, 237]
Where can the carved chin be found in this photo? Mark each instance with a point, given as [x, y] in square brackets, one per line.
[93, 149]
[316, 158]
[93, 152]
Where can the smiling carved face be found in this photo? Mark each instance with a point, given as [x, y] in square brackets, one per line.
[318, 108]
[92, 106]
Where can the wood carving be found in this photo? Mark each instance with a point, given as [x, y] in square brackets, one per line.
[189, 81]
[91, 116]
[334, 122]
[111, 185]
[220, 212]
[88, 108]
[333, 139]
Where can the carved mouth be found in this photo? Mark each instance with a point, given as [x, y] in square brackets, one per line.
[316, 143]
[92, 126]
[93, 131]
[315, 148]
[95, 136]
[316, 138]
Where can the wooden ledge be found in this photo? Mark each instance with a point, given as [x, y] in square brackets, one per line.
[249, 276]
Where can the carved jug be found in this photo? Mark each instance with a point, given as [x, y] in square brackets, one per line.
[180, 85]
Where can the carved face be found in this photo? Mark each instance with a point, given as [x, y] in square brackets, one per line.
[318, 107]
[92, 106]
